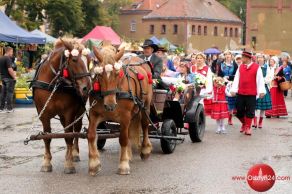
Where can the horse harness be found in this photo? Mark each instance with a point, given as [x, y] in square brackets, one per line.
[126, 94]
[62, 78]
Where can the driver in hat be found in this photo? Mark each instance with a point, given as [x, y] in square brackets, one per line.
[149, 48]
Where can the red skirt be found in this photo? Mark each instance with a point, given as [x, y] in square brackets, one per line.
[278, 103]
[208, 106]
[219, 110]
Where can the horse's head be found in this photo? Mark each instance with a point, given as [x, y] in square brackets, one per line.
[72, 61]
[109, 73]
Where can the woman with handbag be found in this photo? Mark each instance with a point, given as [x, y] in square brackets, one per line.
[277, 95]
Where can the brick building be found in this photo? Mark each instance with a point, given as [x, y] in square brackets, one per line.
[269, 24]
[197, 24]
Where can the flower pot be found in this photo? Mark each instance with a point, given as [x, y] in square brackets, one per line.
[23, 96]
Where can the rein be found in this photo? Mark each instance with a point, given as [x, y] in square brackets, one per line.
[65, 67]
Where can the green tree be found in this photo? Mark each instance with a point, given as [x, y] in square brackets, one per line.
[28, 13]
[9, 6]
[112, 10]
[92, 16]
[65, 15]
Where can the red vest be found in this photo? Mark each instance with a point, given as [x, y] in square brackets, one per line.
[203, 71]
[248, 79]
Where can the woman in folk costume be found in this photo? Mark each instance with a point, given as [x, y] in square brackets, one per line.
[248, 84]
[264, 103]
[277, 95]
[204, 70]
[219, 104]
[287, 70]
[227, 70]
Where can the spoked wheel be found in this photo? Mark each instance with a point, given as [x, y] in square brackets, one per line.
[168, 129]
[197, 129]
[101, 142]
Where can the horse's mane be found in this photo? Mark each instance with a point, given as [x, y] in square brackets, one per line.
[108, 52]
[70, 41]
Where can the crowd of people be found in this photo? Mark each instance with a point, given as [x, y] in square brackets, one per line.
[254, 95]
[251, 97]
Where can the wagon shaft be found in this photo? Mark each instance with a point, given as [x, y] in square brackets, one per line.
[57, 136]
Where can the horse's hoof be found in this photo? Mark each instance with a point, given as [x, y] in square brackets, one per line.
[70, 170]
[47, 168]
[144, 156]
[95, 171]
[124, 171]
[76, 159]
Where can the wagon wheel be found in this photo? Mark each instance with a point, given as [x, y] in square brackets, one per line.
[101, 142]
[168, 129]
[197, 129]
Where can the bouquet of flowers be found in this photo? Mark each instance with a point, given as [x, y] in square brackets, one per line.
[178, 86]
[200, 80]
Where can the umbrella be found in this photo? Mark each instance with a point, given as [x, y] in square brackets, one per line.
[211, 51]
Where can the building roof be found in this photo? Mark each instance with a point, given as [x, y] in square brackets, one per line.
[139, 5]
[193, 9]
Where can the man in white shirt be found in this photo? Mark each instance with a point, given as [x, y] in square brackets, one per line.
[248, 84]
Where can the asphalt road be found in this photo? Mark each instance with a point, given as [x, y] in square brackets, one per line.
[206, 167]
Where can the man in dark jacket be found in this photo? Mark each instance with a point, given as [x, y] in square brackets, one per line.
[8, 78]
[149, 48]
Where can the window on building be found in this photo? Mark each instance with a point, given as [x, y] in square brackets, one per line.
[199, 30]
[253, 42]
[163, 29]
[236, 32]
[133, 26]
[152, 29]
[215, 31]
[175, 29]
[193, 29]
[225, 31]
[231, 32]
[205, 30]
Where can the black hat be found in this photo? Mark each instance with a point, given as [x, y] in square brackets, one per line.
[247, 54]
[150, 43]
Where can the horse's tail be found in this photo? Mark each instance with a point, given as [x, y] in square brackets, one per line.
[135, 131]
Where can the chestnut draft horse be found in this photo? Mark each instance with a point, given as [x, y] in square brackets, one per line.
[66, 66]
[124, 97]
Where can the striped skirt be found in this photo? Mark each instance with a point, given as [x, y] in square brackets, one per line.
[208, 106]
[219, 110]
[264, 103]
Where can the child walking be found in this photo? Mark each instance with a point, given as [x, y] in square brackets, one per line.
[219, 105]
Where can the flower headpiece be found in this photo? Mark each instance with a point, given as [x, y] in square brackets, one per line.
[75, 52]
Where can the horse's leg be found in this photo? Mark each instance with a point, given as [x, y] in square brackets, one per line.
[124, 167]
[146, 144]
[75, 152]
[46, 165]
[93, 162]
[69, 167]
